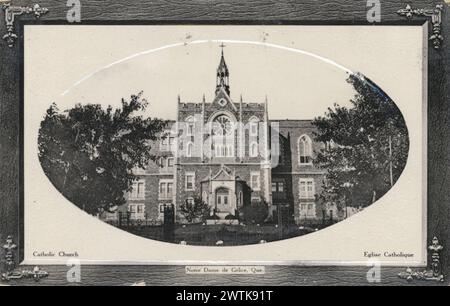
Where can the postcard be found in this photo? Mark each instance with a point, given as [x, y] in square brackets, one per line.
[225, 144]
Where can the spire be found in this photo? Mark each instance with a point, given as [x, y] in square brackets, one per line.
[266, 109]
[240, 108]
[223, 75]
[203, 108]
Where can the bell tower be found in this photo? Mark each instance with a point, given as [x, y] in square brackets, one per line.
[223, 75]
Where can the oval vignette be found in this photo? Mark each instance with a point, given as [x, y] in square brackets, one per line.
[322, 171]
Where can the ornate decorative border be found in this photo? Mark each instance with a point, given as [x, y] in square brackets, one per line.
[435, 274]
[169, 10]
[12, 274]
[436, 20]
[10, 14]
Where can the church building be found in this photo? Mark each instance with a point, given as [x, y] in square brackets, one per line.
[229, 154]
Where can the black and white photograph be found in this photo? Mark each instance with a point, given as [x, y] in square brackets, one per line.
[220, 150]
[223, 172]
[259, 141]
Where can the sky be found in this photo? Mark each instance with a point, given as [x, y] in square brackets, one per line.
[111, 63]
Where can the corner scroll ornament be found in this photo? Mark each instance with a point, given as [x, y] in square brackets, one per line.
[436, 20]
[14, 274]
[10, 14]
[435, 274]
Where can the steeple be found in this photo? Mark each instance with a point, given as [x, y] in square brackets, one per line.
[223, 75]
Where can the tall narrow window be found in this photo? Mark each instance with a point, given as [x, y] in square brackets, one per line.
[190, 126]
[254, 126]
[307, 188]
[190, 181]
[162, 189]
[169, 189]
[171, 143]
[165, 189]
[304, 149]
[254, 149]
[190, 130]
[255, 181]
[138, 190]
[278, 190]
[254, 129]
[189, 149]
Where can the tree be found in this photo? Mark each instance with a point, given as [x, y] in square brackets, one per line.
[366, 146]
[195, 210]
[89, 153]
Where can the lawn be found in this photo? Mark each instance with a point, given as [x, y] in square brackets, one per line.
[209, 235]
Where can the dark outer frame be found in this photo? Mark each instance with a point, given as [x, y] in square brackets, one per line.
[339, 12]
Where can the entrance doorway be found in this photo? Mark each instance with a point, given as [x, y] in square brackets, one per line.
[223, 200]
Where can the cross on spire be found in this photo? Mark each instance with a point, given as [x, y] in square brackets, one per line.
[222, 74]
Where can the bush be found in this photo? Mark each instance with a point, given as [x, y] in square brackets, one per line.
[255, 213]
[195, 210]
[231, 217]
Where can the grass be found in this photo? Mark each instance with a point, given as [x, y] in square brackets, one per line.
[208, 235]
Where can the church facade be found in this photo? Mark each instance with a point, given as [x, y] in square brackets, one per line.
[230, 154]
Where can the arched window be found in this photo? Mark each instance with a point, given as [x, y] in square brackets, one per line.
[222, 126]
[189, 149]
[304, 149]
[253, 149]
[190, 126]
[223, 136]
[254, 126]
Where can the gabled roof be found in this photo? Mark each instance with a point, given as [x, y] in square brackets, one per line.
[224, 174]
[222, 94]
